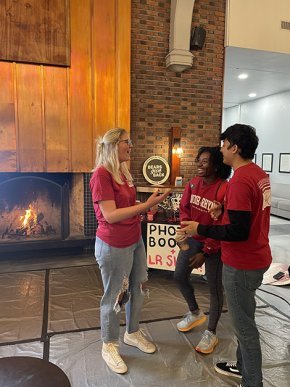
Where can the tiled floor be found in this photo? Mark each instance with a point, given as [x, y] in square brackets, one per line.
[49, 309]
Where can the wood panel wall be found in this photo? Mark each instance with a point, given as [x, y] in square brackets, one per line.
[50, 116]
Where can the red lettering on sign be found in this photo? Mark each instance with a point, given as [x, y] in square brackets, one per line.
[171, 260]
[159, 260]
[151, 262]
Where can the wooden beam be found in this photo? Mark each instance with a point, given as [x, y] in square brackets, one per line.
[174, 157]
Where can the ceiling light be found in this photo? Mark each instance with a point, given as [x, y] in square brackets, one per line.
[252, 95]
[243, 76]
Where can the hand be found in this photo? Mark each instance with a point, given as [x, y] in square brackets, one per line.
[196, 261]
[156, 197]
[216, 210]
[180, 237]
[190, 227]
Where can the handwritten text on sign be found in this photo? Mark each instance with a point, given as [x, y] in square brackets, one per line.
[162, 250]
[156, 170]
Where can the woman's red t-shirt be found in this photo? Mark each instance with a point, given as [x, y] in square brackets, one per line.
[103, 187]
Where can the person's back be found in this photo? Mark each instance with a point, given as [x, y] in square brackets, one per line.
[249, 190]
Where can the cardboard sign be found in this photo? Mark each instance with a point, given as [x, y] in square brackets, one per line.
[162, 250]
[156, 170]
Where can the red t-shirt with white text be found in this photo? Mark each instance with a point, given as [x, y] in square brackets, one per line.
[103, 187]
[196, 200]
[249, 190]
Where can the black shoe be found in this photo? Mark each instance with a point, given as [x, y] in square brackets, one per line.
[228, 368]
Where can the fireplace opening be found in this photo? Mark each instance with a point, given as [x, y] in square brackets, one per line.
[34, 207]
[45, 211]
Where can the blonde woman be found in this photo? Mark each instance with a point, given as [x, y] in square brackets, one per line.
[119, 247]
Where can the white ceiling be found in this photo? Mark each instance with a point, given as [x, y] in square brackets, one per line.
[268, 73]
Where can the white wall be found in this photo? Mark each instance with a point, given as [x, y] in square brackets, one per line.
[256, 24]
[231, 116]
[271, 118]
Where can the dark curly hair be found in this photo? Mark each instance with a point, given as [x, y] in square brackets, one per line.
[223, 171]
[244, 136]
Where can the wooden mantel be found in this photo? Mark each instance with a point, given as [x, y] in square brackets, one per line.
[49, 115]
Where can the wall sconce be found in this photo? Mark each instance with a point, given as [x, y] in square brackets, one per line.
[177, 149]
[175, 152]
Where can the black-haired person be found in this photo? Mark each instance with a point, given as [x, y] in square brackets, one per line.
[119, 247]
[245, 247]
[198, 197]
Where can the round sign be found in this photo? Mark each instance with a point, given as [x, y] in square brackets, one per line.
[156, 170]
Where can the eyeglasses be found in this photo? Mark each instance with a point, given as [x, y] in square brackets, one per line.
[128, 142]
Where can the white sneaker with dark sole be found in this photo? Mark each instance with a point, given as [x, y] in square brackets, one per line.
[138, 340]
[111, 356]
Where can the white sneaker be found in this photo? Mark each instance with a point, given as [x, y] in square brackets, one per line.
[110, 353]
[138, 340]
[207, 343]
[190, 321]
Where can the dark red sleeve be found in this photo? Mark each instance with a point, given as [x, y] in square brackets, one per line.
[101, 186]
[184, 207]
[212, 246]
[221, 192]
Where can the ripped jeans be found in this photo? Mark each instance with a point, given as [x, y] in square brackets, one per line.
[123, 270]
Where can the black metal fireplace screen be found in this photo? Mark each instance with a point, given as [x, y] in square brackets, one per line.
[33, 207]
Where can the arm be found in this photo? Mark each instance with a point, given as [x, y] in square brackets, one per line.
[184, 211]
[196, 261]
[237, 230]
[216, 210]
[112, 214]
[218, 205]
[184, 207]
[239, 214]
[212, 246]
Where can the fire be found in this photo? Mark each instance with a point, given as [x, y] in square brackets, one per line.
[30, 222]
[30, 217]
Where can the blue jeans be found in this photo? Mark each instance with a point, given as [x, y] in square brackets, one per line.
[240, 288]
[123, 271]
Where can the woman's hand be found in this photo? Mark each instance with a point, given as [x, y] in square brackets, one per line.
[196, 261]
[157, 198]
[216, 210]
[112, 214]
[189, 228]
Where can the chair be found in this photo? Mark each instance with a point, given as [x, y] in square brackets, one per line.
[24, 371]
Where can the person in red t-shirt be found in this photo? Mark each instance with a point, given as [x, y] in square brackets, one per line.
[198, 197]
[119, 247]
[245, 247]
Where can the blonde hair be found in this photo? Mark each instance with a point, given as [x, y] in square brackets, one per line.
[107, 155]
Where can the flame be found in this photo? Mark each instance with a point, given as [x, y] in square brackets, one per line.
[30, 217]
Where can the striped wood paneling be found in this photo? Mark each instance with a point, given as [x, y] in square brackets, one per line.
[8, 154]
[50, 116]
